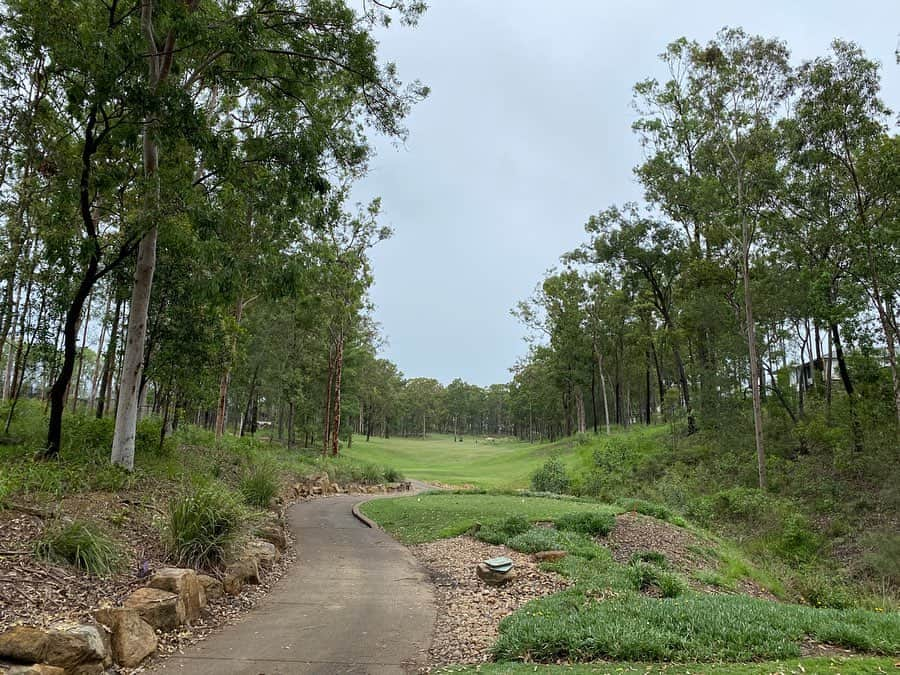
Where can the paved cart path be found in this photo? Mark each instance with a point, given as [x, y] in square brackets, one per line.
[355, 601]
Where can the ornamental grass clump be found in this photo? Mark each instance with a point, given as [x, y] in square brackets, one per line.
[201, 525]
[83, 545]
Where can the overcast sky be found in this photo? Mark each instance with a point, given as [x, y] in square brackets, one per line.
[526, 133]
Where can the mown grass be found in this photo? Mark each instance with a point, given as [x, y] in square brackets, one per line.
[427, 517]
[836, 665]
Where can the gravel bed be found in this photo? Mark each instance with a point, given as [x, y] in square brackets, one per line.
[468, 610]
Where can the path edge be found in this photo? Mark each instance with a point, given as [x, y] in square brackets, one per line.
[368, 522]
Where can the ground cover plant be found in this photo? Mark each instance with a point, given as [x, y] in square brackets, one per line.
[639, 610]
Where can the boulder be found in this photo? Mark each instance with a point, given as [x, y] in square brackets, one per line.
[68, 648]
[240, 572]
[212, 587]
[161, 609]
[274, 534]
[493, 578]
[263, 552]
[549, 556]
[36, 669]
[184, 582]
[133, 639]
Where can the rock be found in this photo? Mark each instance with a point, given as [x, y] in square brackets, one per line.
[263, 552]
[549, 556]
[133, 639]
[184, 582]
[492, 578]
[274, 534]
[66, 649]
[161, 609]
[36, 669]
[240, 572]
[212, 587]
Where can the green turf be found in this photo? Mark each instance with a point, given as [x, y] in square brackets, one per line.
[834, 665]
[427, 517]
[500, 464]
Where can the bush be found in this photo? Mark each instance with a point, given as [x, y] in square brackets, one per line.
[536, 539]
[586, 522]
[657, 511]
[260, 487]
[798, 543]
[202, 525]
[83, 545]
[391, 475]
[552, 477]
[644, 575]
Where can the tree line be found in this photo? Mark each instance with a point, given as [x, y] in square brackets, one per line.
[757, 284]
[176, 231]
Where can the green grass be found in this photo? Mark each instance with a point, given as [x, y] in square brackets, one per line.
[835, 665]
[501, 464]
[631, 627]
[81, 544]
[432, 516]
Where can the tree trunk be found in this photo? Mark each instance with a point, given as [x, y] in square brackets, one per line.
[754, 358]
[603, 388]
[109, 362]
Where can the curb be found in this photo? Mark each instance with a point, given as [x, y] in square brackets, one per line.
[368, 522]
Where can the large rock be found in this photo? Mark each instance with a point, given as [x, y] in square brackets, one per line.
[36, 669]
[263, 552]
[549, 556]
[240, 572]
[161, 609]
[133, 639]
[184, 582]
[274, 534]
[493, 578]
[212, 587]
[69, 648]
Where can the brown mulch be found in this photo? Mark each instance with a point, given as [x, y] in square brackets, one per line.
[468, 610]
[685, 551]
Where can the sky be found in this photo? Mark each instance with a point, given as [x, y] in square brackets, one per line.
[526, 133]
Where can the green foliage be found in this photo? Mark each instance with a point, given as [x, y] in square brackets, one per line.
[586, 522]
[697, 627]
[201, 525]
[392, 475]
[260, 486]
[657, 511]
[652, 557]
[549, 539]
[551, 477]
[644, 575]
[499, 532]
[83, 545]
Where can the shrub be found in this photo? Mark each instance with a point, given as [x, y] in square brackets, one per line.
[821, 589]
[798, 543]
[552, 477]
[83, 545]
[370, 474]
[536, 539]
[581, 438]
[587, 522]
[392, 475]
[260, 486]
[201, 525]
[644, 575]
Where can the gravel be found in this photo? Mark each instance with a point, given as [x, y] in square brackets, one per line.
[469, 611]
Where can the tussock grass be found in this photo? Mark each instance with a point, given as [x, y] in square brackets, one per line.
[201, 525]
[260, 486]
[83, 545]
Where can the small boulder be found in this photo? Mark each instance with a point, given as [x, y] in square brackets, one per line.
[274, 534]
[549, 556]
[263, 552]
[492, 577]
[240, 572]
[36, 669]
[161, 609]
[53, 647]
[133, 639]
[212, 587]
[184, 582]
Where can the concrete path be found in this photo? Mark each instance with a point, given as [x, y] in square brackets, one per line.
[355, 601]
